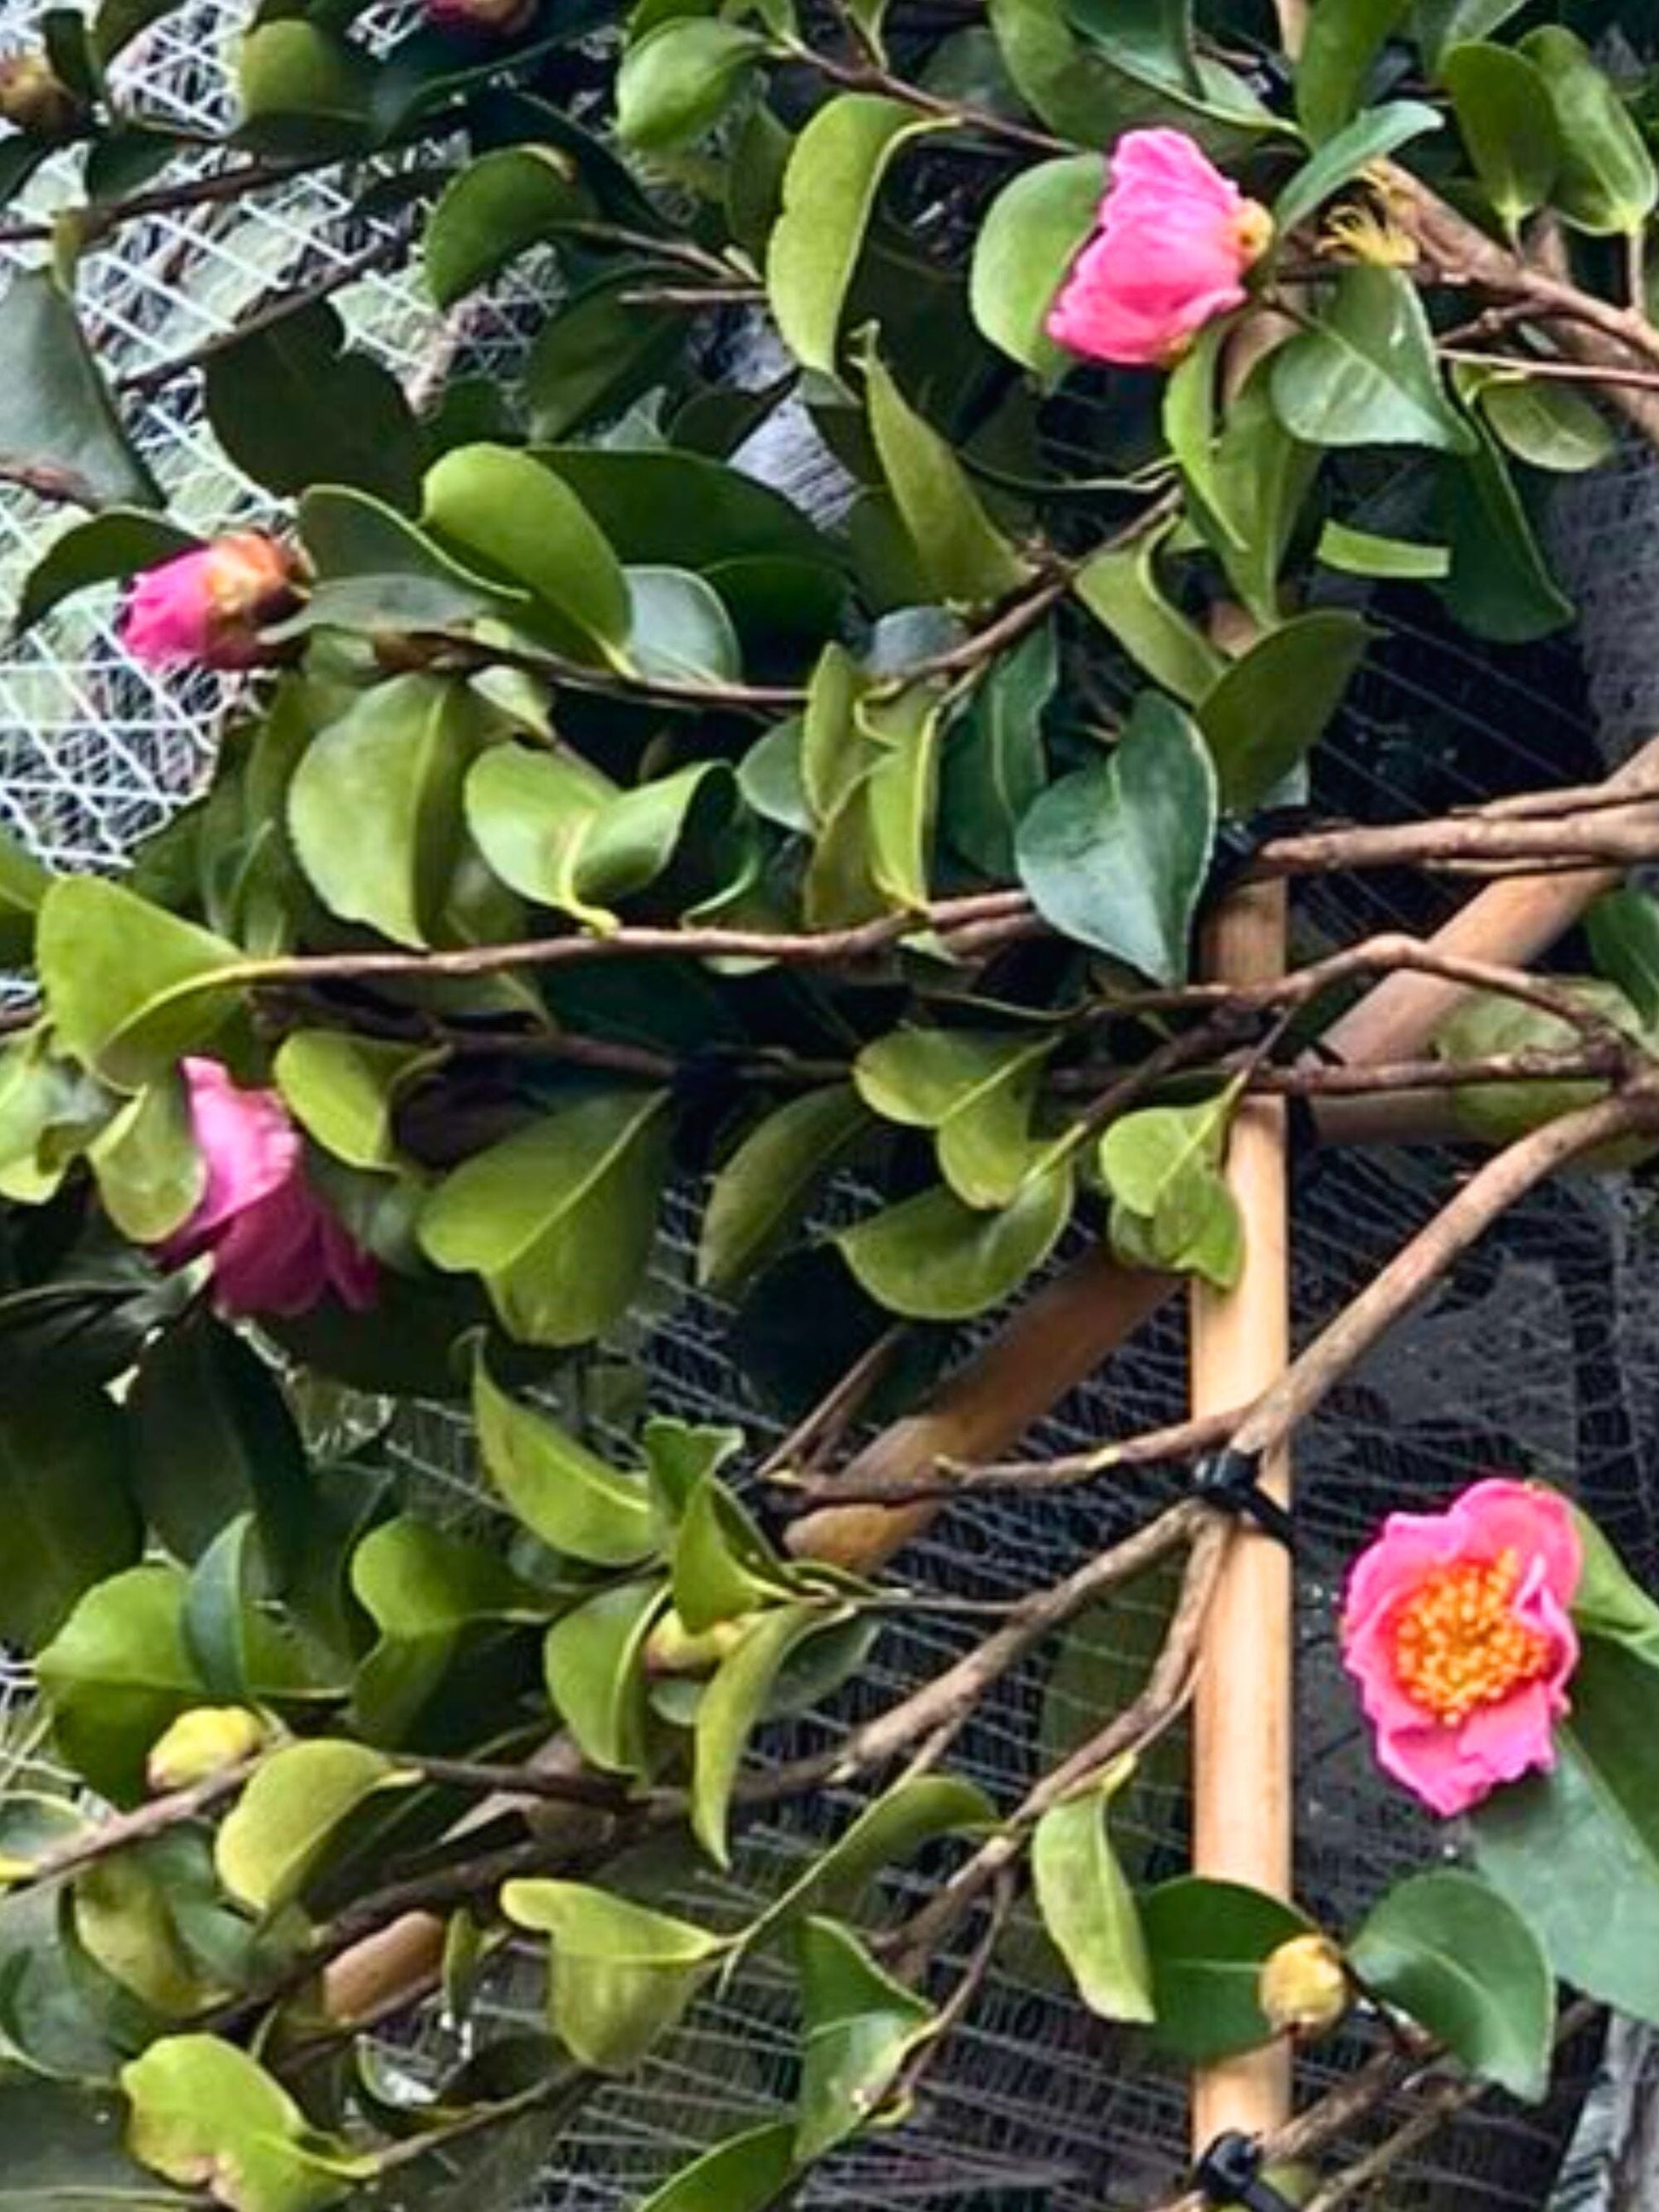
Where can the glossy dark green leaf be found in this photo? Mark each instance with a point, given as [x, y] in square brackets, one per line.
[56, 416]
[305, 91]
[24, 884]
[995, 764]
[377, 571]
[1272, 705]
[729, 1711]
[107, 549]
[595, 1664]
[559, 1218]
[1507, 118]
[242, 1648]
[1093, 88]
[932, 1258]
[1032, 233]
[563, 1492]
[622, 1974]
[495, 210]
[280, 1828]
[64, 2146]
[199, 2105]
[830, 191]
[684, 510]
[1248, 496]
[129, 988]
[1449, 1952]
[1115, 854]
[745, 2172]
[677, 81]
[1207, 1942]
[70, 1516]
[1087, 1905]
[293, 407]
[398, 758]
[861, 2026]
[1375, 133]
[1607, 181]
[1366, 374]
[598, 354]
[1339, 51]
[769, 1182]
[966, 561]
[975, 1090]
[1121, 588]
[1623, 927]
[1500, 585]
[1550, 426]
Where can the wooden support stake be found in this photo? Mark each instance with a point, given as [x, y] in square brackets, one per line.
[1241, 1734]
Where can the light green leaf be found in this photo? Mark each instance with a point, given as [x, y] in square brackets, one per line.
[282, 1826]
[1115, 854]
[305, 89]
[680, 631]
[1366, 374]
[731, 1709]
[493, 210]
[723, 1567]
[1488, 1022]
[557, 1219]
[744, 2173]
[1087, 1905]
[342, 1091]
[1339, 49]
[677, 81]
[917, 1810]
[966, 561]
[1272, 705]
[203, 2112]
[1505, 113]
[1160, 1165]
[1609, 1604]
[976, 1090]
[1032, 231]
[56, 412]
[833, 751]
[1449, 1951]
[931, 1258]
[1549, 426]
[564, 1493]
[623, 1975]
[376, 571]
[830, 189]
[860, 2027]
[1442, 23]
[769, 1182]
[115, 1674]
[1120, 590]
[1607, 182]
[595, 1659]
[1207, 1942]
[1362, 553]
[129, 988]
[1371, 135]
[901, 795]
[149, 1172]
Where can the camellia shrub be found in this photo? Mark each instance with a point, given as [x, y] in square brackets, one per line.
[590, 823]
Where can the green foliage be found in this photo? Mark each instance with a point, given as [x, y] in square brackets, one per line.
[1087, 1905]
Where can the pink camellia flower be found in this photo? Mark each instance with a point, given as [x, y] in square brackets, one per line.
[1176, 237]
[496, 19]
[207, 606]
[1458, 1630]
[276, 1247]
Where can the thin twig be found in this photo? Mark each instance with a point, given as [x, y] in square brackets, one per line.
[122, 1832]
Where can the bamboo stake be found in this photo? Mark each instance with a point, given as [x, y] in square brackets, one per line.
[1242, 1801]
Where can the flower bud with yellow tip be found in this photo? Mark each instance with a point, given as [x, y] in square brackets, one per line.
[1304, 1988]
[201, 1743]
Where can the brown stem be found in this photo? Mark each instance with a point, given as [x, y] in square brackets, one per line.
[121, 1831]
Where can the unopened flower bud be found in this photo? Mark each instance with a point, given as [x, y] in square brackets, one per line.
[671, 1648]
[209, 606]
[494, 19]
[1304, 1988]
[35, 98]
[201, 1743]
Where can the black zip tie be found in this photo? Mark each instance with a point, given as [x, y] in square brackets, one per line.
[1240, 837]
[1229, 2172]
[1232, 1480]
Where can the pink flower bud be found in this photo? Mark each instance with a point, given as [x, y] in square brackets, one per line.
[276, 1248]
[494, 19]
[1458, 1630]
[209, 606]
[1176, 238]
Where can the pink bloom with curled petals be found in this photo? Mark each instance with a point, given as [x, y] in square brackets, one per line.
[207, 607]
[1458, 1628]
[1174, 241]
[276, 1247]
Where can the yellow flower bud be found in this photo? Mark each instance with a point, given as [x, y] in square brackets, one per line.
[1304, 1988]
[203, 1742]
[35, 98]
[673, 1649]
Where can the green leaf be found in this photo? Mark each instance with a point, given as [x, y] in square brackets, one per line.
[293, 407]
[599, 354]
[342, 1089]
[1092, 89]
[1366, 374]
[564, 1493]
[129, 988]
[1549, 426]
[1500, 585]
[376, 571]
[1161, 1165]
[744, 2173]
[1505, 111]
[685, 509]
[1575, 1851]
[282, 1826]
[56, 416]
[1609, 1604]
[106, 549]
[1362, 553]
[995, 764]
[397, 757]
[1115, 854]
[623, 1975]
[63, 2148]
[1488, 1022]
[1120, 590]
[595, 1673]
[69, 1512]
[203, 2112]
[976, 1090]
[917, 1810]
[1087, 1905]
[723, 1567]
[830, 191]
[1207, 1941]
[305, 91]
[557, 1219]
[23, 884]
[115, 1674]
[861, 2027]
[1247, 499]
[680, 631]
[966, 561]
[1442, 23]
[677, 81]
[1447, 1951]
[833, 752]
[1623, 927]
[1033, 231]
[150, 1173]
[1339, 50]
[240, 1646]
[500, 508]
[495, 210]
[1377, 133]
[902, 792]
[766, 1188]
[931, 1258]
[730, 1710]
[1272, 706]
[1606, 183]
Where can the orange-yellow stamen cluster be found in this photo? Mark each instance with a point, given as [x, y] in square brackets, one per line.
[1458, 1643]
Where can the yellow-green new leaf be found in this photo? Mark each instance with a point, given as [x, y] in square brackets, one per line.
[730, 1709]
[622, 1975]
[129, 988]
[281, 1825]
[1087, 1905]
[561, 1492]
